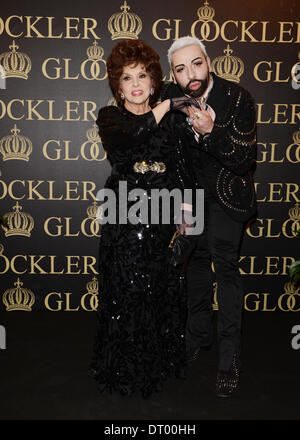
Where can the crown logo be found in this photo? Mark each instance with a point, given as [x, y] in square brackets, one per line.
[92, 286]
[18, 298]
[228, 66]
[93, 137]
[15, 146]
[95, 52]
[92, 219]
[16, 64]
[294, 212]
[124, 24]
[93, 134]
[92, 210]
[291, 289]
[19, 223]
[95, 58]
[92, 289]
[296, 137]
[206, 12]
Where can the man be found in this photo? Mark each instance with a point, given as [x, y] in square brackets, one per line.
[219, 136]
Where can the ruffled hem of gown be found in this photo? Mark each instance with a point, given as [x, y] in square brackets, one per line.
[146, 345]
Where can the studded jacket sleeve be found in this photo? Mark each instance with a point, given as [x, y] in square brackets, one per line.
[234, 143]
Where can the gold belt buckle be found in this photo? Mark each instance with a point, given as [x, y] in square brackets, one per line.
[143, 167]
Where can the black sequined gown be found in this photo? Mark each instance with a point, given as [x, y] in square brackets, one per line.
[141, 315]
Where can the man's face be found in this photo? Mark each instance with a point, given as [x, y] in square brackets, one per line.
[191, 70]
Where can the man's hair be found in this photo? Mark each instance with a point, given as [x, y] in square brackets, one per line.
[184, 42]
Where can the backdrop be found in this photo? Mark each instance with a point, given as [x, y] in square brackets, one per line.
[53, 82]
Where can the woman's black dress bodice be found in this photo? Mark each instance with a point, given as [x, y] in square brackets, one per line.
[129, 138]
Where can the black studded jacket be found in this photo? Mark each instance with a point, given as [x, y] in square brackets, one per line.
[222, 162]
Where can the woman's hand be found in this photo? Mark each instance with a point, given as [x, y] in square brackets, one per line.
[183, 103]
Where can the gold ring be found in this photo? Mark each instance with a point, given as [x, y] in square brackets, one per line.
[198, 115]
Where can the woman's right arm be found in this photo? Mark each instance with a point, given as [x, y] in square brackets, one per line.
[161, 109]
[119, 130]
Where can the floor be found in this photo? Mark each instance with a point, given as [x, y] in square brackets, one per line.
[43, 374]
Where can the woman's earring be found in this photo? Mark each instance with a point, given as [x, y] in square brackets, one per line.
[151, 91]
[122, 95]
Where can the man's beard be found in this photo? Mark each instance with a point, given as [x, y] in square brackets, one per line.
[199, 92]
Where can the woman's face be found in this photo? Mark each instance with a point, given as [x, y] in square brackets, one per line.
[135, 83]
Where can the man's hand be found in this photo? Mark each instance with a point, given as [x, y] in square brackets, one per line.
[186, 220]
[201, 120]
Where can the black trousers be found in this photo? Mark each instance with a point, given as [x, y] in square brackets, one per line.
[218, 244]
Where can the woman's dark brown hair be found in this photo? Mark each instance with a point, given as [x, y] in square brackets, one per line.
[135, 52]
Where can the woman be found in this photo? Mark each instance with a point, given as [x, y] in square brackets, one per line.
[142, 306]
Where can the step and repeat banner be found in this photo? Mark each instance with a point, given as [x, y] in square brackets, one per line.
[53, 81]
